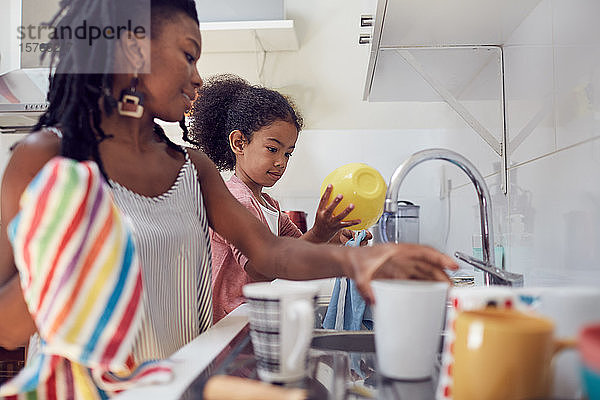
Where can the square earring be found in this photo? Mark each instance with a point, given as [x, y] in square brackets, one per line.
[131, 102]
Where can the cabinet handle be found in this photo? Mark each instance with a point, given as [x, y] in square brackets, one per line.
[364, 38]
[366, 20]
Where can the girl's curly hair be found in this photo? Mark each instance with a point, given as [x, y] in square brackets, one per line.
[226, 103]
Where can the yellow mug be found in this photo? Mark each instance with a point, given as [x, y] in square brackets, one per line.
[503, 354]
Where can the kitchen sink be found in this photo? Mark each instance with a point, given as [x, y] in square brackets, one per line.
[341, 365]
[320, 311]
[348, 341]
[344, 364]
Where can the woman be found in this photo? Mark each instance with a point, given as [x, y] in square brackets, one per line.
[170, 194]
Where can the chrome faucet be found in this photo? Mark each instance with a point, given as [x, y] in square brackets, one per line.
[492, 274]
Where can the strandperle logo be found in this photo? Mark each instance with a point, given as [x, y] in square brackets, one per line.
[84, 31]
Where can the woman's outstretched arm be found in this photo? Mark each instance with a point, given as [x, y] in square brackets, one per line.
[280, 257]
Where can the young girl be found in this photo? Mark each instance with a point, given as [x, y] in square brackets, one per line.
[170, 194]
[253, 131]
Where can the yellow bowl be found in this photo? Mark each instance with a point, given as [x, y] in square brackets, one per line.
[360, 185]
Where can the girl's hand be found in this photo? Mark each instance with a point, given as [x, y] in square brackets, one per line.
[346, 234]
[326, 224]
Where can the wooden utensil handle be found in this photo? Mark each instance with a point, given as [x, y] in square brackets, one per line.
[222, 387]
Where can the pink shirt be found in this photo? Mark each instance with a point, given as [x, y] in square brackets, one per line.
[228, 273]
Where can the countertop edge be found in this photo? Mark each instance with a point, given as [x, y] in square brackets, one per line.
[193, 358]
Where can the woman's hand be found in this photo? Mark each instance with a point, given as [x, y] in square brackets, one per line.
[396, 261]
[326, 223]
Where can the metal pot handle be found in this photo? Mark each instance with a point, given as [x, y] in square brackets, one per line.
[383, 226]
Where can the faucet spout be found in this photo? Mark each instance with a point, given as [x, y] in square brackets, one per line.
[485, 212]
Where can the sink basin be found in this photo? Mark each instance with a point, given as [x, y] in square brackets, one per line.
[320, 311]
[344, 363]
[348, 341]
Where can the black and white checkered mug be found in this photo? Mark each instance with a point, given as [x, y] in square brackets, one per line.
[281, 327]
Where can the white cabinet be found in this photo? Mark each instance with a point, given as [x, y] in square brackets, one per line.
[248, 36]
[456, 22]
[441, 26]
[242, 26]
[240, 10]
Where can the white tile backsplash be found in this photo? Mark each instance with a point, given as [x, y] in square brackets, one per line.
[536, 29]
[559, 240]
[576, 37]
[553, 113]
[529, 80]
[575, 22]
[320, 152]
[577, 71]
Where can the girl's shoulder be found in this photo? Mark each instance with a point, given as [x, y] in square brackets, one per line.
[271, 201]
[242, 193]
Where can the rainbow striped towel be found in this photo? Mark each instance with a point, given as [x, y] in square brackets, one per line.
[81, 279]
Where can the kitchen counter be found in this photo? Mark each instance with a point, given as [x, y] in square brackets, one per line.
[193, 358]
[226, 349]
[341, 365]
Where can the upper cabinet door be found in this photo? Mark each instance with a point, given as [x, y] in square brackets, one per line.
[457, 22]
[434, 50]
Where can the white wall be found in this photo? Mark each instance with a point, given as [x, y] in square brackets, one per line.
[553, 89]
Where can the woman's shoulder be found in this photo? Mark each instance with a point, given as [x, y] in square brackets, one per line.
[28, 157]
[33, 151]
[198, 158]
[43, 141]
[204, 164]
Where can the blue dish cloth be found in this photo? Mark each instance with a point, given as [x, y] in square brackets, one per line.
[350, 311]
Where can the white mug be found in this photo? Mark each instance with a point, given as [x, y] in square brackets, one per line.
[281, 327]
[408, 322]
[570, 308]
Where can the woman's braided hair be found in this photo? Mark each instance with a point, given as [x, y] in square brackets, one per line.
[226, 103]
[75, 95]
